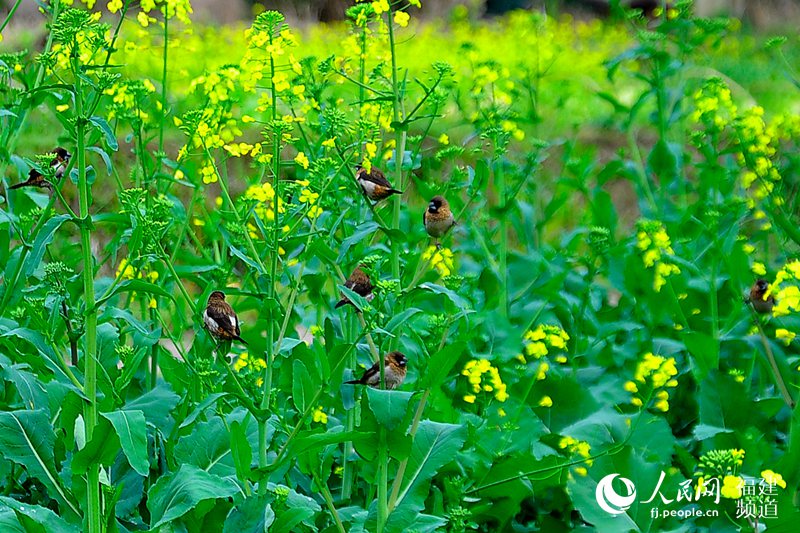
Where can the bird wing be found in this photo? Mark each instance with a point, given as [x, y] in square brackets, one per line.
[219, 320]
[376, 177]
[360, 287]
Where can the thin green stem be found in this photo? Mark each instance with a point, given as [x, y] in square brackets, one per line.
[164, 84]
[500, 182]
[93, 510]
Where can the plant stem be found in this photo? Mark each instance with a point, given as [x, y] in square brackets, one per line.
[500, 181]
[93, 511]
[164, 84]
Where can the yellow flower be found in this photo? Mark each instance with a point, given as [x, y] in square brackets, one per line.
[732, 487]
[758, 269]
[61, 108]
[785, 335]
[773, 478]
[469, 398]
[444, 139]
[301, 160]
[401, 18]
[319, 416]
[546, 401]
[380, 6]
[114, 5]
[153, 304]
[329, 143]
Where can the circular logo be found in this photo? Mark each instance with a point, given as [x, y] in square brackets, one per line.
[608, 499]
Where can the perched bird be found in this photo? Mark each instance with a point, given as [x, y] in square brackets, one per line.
[757, 292]
[359, 283]
[58, 164]
[394, 372]
[438, 218]
[220, 318]
[375, 184]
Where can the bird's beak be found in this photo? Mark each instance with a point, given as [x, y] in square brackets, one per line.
[432, 207]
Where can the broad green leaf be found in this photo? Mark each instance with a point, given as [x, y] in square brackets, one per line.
[131, 429]
[705, 353]
[43, 239]
[241, 451]
[207, 402]
[302, 387]
[434, 446]
[389, 407]
[254, 515]
[440, 364]
[28, 386]
[208, 447]
[177, 493]
[33, 517]
[27, 438]
[157, 406]
[296, 510]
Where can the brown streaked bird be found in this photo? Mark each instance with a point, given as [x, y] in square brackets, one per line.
[394, 372]
[359, 283]
[438, 218]
[757, 300]
[374, 184]
[220, 319]
[59, 164]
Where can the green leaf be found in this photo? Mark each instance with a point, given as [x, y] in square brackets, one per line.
[157, 406]
[207, 402]
[176, 494]
[43, 239]
[134, 285]
[254, 515]
[302, 387]
[440, 364]
[434, 446]
[705, 353]
[207, 447]
[103, 126]
[131, 429]
[241, 451]
[298, 508]
[28, 386]
[33, 515]
[27, 438]
[389, 407]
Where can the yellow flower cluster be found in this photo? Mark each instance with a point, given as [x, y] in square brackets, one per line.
[660, 372]
[772, 478]
[577, 447]
[756, 152]
[654, 243]
[721, 464]
[440, 259]
[713, 105]
[127, 271]
[540, 340]
[250, 367]
[319, 416]
[475, 370]
[264, 195]
[786, 289]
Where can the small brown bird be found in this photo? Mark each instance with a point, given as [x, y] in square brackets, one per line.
[438, 218]
[757, 300]
[220, 319]
[375, 184]
[394, 372]
[35, 178]
[359, 283]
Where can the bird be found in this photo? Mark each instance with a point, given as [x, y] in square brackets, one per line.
[757, 292]
[220, 319]
[438, 218]
[394, 372]
[58, 164]
[359, 283]
[374, 184]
